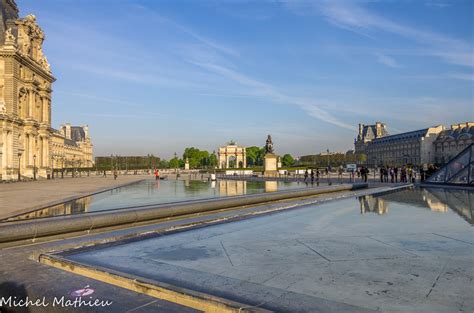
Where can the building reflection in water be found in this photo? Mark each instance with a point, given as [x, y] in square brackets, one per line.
[232, 187]
[435, 199]
[371, 204]
[77, 206]
[271, 186]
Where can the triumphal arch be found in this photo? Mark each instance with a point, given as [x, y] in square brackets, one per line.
[232, 156]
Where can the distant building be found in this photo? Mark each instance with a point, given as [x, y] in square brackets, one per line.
[367, 133]
[71, 147]
[415, 147]
[451, 142]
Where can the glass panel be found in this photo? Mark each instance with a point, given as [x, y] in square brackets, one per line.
[438, 177]
[457, 164]
[472, 173]
[461, 178]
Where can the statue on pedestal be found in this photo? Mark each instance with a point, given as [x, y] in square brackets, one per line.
[269, 145]
[270, 164]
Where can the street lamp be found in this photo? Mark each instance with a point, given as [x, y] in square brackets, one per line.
[34, 166]
[74, 165]
[19, 165]
[52, 166]
[62, 166]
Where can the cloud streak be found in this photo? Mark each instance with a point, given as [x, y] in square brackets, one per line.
[268, 91]
[355, 17]
[386, 60]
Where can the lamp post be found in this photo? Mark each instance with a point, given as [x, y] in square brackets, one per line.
[74, 165]
[34, 166]
[62, 166]
[19, 166]
[328, 157]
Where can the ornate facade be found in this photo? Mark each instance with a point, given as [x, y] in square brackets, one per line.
[415, 147]
[232, 155]
[367, 133]
[26, 136]
[451, 142]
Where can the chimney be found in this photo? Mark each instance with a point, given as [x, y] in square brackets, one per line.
[86, 131]
[67, 128]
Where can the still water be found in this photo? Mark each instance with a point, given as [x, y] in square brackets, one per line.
[149, 192]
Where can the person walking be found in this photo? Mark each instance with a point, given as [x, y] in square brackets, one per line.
[312, 176]
[339, 172]
[115, 174]
[306, 175]
[157, 174]
[381, 174]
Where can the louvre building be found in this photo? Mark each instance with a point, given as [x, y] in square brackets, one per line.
[29, 146]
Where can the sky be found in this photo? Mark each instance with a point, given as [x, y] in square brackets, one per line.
[158, 76]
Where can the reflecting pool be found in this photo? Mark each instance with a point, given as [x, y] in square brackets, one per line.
[149, 192]
[405, 251]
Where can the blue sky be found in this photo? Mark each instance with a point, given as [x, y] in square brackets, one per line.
[159, 76]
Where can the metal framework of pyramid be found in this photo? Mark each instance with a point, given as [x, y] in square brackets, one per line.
[458, 171]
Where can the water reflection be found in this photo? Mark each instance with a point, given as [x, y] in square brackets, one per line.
[435, 199]
[371, 204]
[158, 192]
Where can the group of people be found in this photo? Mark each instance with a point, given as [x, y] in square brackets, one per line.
[312, 173]
[403, 174]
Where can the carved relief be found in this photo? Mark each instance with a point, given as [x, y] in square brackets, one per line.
[23, 102]
[9, 37]
[30, 40]
[3, 109]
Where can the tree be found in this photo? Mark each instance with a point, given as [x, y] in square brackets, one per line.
[287, 160]
[197, 158]
[212, 160]
[254, 156]
[362, 158]
[174, 163]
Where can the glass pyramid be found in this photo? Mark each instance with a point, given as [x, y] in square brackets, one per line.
[458, 171]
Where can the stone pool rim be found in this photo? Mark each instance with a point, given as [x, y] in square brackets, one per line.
[31, 230]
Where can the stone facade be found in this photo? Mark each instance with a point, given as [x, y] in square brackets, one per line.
[415, 147]
[367, 133]
[26, 136]
[451, 142]
[232, 153]
[71, 147]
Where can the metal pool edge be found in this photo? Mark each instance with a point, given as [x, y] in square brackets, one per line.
[164, 291]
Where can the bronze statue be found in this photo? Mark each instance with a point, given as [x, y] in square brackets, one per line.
[269, 145]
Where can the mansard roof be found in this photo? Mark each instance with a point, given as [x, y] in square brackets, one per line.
[416, 134]
[456, 134]
[77, 133]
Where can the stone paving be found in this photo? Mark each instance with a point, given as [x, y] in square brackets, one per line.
[22, 197]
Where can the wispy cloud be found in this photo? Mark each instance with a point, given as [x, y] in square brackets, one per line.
[462, 76]
[356, 17]
[386, 60]
[187, 30]
[268, 91]
[439, 4]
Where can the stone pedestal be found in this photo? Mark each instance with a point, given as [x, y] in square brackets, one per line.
[270, 165]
